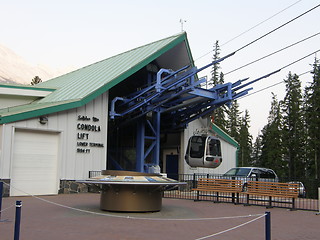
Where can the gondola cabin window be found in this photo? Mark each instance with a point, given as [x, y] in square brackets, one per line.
[213, 148]
[197, 147]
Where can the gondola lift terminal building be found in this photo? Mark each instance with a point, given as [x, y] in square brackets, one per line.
[55, 132]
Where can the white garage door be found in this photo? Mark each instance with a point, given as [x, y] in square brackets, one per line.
[35, 163]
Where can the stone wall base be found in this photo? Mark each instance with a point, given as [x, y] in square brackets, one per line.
[71, 186]
[66, 187]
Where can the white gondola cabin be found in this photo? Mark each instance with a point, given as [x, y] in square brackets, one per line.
[204, 151]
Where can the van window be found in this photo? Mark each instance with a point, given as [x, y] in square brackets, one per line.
[267, 174]
[241, 172]
[256, 172]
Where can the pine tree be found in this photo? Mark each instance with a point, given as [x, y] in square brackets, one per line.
[292, 127]
[312, 120]
[245, 141]
[36, 80]
[256, 151]
[233, 124]
[218, 115]
[215, 67]
[271, 141]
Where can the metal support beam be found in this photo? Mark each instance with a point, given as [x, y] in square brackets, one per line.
[156, 124]
[176, 97]
[140, 145]
[153, 149]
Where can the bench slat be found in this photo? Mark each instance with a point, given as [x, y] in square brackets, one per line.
[269, 189]
[219, 185]
[273, 189]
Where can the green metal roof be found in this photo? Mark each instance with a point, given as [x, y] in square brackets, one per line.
[79, 87]
[224, 135]
[227, 138]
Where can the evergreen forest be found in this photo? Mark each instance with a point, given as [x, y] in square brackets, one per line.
[289, 143]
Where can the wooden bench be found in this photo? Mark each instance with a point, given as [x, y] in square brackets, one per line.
[215, 185]
[274, 191]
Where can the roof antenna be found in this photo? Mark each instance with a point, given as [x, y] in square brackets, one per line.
[181, 22]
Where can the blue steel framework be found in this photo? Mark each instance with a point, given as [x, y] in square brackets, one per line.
[176, 99]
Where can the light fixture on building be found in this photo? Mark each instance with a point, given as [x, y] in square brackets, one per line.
[43, 120]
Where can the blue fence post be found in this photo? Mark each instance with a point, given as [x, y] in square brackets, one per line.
[268, 226]
[1, 193]
[17, 220]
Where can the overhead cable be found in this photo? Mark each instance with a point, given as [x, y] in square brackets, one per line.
[304, 73]
[272, 31]
[276, 71]
[273, 85]
[259, 59]
[251, 28]
[279, 71]
[259, 23]
[259, 38]
[300, 59]
[260, 90]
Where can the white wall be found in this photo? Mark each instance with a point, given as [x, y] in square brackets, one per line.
[12, 96]
[72, 164]
[1, 127]
[10, 101]
[1, 133]
[228, 152]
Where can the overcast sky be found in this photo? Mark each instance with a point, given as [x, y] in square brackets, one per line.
[78, 32]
